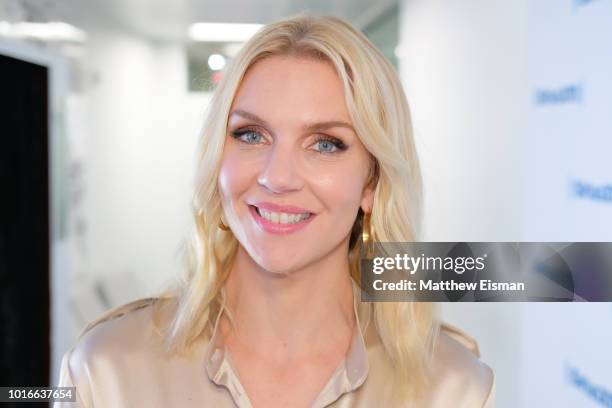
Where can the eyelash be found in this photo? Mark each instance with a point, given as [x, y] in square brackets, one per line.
[340, 146]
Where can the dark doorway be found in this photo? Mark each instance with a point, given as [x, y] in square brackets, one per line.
[24, 224]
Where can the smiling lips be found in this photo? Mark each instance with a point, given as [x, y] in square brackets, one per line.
[280, 219]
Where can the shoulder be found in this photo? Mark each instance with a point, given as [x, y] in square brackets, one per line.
[133, 329]
[120, 338]
[127, 325]
[458, 371]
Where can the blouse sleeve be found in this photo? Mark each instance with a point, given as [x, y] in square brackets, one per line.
[490, 401]
[67, 379]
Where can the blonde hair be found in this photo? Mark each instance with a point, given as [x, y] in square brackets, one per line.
[380, 115]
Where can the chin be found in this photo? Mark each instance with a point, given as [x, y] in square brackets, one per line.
[281, 265]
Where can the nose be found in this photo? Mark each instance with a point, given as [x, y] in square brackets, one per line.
[280, 173]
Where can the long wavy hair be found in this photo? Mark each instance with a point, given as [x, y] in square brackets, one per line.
[380, 115]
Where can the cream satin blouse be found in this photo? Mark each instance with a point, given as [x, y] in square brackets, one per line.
[120, 363]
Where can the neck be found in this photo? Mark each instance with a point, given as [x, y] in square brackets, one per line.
[285, 314]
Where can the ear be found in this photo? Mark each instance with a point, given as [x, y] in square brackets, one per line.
[367, 200]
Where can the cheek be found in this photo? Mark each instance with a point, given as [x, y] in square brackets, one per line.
[340, 190]
[232, 178]
[341, 185]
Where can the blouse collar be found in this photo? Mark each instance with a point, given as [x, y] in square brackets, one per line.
[348, 376]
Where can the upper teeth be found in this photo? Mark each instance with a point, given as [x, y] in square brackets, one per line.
[282, 218]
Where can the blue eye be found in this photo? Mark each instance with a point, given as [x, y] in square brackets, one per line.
[248, 136]
[326, 146]
[329, 145]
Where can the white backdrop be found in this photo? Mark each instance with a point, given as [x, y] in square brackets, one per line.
[568, 194]
[511, 103]
[463, 65]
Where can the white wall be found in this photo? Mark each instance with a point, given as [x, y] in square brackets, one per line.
[141, 150]
[134, 130]
[464, 67]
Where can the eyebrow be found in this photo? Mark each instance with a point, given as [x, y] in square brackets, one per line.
[313, 127]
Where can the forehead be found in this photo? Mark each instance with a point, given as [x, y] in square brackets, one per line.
[300, 87]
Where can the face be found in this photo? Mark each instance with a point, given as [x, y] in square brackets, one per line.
[293, 173]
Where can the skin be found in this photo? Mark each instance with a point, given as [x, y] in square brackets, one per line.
[286, 290]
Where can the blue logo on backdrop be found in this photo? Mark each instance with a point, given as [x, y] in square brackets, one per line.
[578, 3]
[589, 191]
[597, 392]
[566, 94]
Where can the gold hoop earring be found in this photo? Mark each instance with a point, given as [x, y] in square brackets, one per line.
[367, 235]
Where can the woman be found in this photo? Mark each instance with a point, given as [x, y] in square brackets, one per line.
[306, 156]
